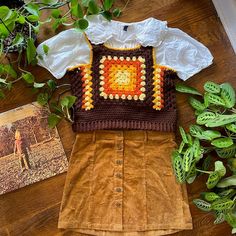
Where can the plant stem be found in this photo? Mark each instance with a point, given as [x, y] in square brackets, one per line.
[204, 171]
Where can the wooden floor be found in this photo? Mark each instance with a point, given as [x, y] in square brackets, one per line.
[34, 210]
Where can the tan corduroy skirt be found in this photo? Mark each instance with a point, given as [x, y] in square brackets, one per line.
[122, 183]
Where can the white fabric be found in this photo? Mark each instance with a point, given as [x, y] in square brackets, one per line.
[174, 48]
[182, 53]
[67, 49]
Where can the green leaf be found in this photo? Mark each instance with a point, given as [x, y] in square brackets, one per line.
[10, 71]
[107, 4]
[42, 98]
[68, 101]
[196, 130]
[30, 50]
[192, 174]
[21, 19]
[53, 120]
[76, 9]
[107, 15]
[196, 104]
[177, 167]
[205, 117]
[222, 204]
[211, 87]
[214, 99]
[211, 134]
[220, 217]
[56, 13]
[187, 159]
[45, 49]
[181, 146]
[210, 196]
[5, 13]
[93, 7]
[51, 84]
[231, 127]
[213, 179]
[116, 12]
[32, 18]
[202, 205]
[187, 89]
[38, 85]
[183, 134]
[221, 120]
[4, 31]
[226, 182]
[229, 217]
[226, 152]
[227, 193]
[219, 166]
[85, 3]
[222, 142]
[28, 77]
[19, 39]
[32, 9]
[81, 24]
[206, 162]
[228, 95]
[196, 148]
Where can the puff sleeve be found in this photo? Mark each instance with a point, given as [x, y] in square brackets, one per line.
[66, 49]
[182, 53]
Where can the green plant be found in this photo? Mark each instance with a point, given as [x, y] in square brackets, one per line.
[18, 30]
[210, 148]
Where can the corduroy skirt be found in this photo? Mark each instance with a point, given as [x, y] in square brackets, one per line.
[122, 183]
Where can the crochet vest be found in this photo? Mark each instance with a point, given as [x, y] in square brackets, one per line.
[123, 89]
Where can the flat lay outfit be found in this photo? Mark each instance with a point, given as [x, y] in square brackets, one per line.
[120, 180]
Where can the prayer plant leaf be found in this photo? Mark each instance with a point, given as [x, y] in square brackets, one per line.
[177, 167]
[228, 94]
[220, 217]
[226, 182]
[221, 120]
[213, 179]
[183, 134]
[231, 127]
[202, 205]
[187, 89]
[205, 117]
[214, 99]
[222, 204]
[187, 159]
[219, 166]
[210, 196]
[211, 87]
[222, 142]
[196, 104]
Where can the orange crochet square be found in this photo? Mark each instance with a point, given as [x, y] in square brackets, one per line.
[122, 78]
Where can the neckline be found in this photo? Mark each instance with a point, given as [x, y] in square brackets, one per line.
[147, 32]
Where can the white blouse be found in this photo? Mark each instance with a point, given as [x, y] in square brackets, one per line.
[173, 47]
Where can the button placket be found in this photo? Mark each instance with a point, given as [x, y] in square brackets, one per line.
[118, 175]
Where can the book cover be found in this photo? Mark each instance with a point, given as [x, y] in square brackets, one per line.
[30, 151]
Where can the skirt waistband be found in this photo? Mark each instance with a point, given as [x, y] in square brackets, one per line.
[125, 134]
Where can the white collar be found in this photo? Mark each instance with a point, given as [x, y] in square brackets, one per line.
[149, 32]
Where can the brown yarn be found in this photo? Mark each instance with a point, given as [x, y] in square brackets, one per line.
[119, 113]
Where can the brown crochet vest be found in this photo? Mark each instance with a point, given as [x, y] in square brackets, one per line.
[123, 89]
